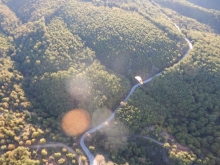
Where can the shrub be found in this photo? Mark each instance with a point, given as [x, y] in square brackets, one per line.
[42, 141]
[21, 143]
[28, 143]
[33, 141]
[83, 158]
[35, 134]
[61, 161]
[3, 147]
[91, 148]
[64, 150]
[11, 146]
[44, 152]
[70, 155]
[57, 155]
[25, 138]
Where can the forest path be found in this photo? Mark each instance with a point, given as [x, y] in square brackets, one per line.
[54, 144]
[90, 156]
[151, 139]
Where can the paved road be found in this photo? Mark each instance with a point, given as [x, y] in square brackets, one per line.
[90, 156]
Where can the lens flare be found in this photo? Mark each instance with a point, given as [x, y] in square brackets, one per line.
[75, 122]
[99, 116]
[79, 87]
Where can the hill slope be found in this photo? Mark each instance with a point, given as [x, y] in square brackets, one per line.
[59, 55]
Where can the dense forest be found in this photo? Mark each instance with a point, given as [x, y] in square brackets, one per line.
[60, 55]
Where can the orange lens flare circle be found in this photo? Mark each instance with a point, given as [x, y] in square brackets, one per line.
[75, 122]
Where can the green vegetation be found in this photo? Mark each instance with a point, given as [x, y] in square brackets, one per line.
[183, 7]
[14, 157]
[215, 4]
[117, 42]
[58, 55]
[192, 116]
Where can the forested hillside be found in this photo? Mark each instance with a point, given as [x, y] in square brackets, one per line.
[192, 116]
[184, 100]
[206, 16]
[215, 4]
[59, 55]
[64, 41]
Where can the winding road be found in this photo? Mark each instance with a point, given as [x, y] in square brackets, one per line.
[90, 156]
